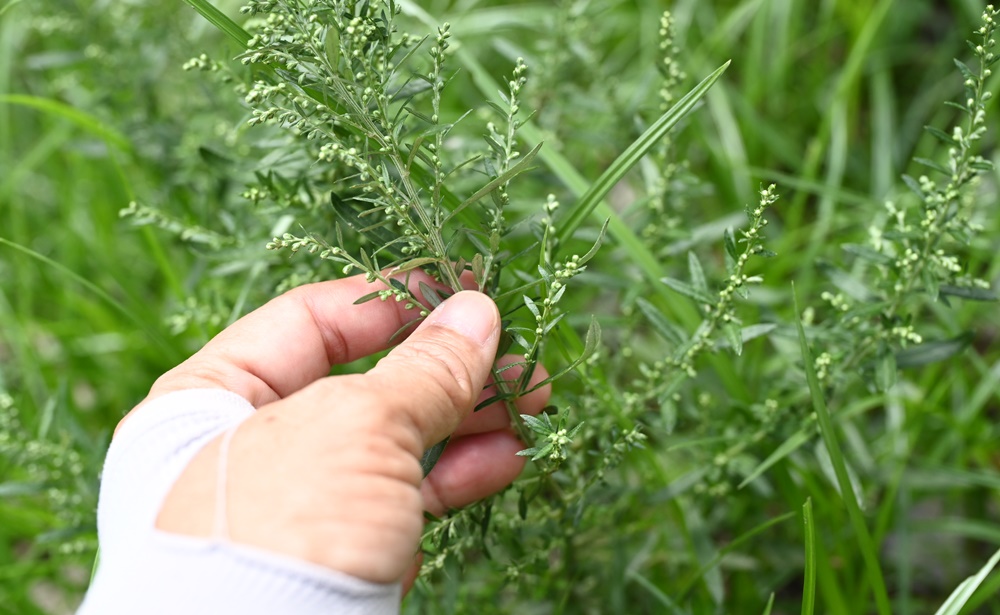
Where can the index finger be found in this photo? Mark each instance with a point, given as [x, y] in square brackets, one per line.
[293, 340]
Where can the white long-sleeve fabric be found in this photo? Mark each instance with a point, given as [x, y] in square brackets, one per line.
[146, 571]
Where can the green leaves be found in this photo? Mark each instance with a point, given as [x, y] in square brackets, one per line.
[219, 19]
[553, 438]
[966, 292]
[689, 290]
[600, 188]
[960, 597]
[809, 576]
[519, 168]
[848, 496]
[932, 352]
[432, 455]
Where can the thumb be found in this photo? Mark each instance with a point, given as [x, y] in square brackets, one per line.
[442, 367]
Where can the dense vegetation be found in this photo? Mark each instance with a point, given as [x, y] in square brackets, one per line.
[781, 366]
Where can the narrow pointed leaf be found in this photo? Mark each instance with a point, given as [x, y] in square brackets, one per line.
[866, 253]
[958, 599]
[697, 273]
[219, 19]
[849, 497]
[600, 188]
[514, 171]
[597, 245]
[666, 329]
[734, 336]
[913, 185]
[432, 455]
[940, 135]
[972, 294]
[730, 243]
[886, 370]
[367, 298]
[591, 343]
[932, 352]
[430, 295]
[930, 164]
[690, 291]
[809, 581]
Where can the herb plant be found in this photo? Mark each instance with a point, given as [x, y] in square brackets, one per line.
[765, 297]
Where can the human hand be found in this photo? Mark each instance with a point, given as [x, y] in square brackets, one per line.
[327, 470]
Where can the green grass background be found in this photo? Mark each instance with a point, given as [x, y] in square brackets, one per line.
[827, 98]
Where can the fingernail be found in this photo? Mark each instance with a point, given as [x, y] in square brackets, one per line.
[472, 314]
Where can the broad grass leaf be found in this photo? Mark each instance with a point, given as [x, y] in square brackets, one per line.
[635, 152]
[849, 497]
[958, 599]
[219, 19]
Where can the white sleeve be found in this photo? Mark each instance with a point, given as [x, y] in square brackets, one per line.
[145, 570]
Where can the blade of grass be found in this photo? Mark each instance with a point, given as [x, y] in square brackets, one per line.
[770, 605]
[865, 543]
[562, 168]
[638, 253]
[985, 592]
[953, 605]
[809, 583]
[81, 119]
[98, 291]
[219, 19]
[796, 440]
[614, 174]
[656, 593]
[847, 81]
[736, 542]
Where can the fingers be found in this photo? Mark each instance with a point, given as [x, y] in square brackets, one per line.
[471, 469]
[496, 416]
[293, 340]
[481, 458]
[433, 378]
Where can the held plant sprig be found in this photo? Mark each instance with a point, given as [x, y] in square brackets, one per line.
[370, 105]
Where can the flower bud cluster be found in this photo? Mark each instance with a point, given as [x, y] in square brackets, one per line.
[721, 313]
[673, 75]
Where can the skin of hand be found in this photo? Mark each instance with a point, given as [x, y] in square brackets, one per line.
[327, 470]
